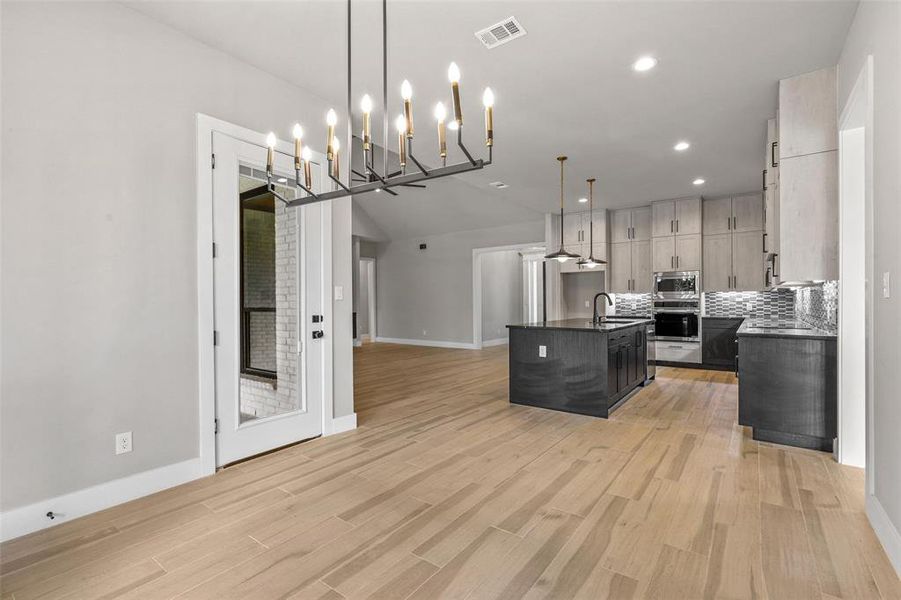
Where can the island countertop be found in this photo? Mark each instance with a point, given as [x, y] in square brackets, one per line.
[605, 326]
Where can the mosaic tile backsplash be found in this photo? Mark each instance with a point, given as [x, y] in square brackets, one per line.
[631, 305]
[772, 305]
[818, 306]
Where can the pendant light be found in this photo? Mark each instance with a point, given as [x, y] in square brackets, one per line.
[562, 254]
[591, 262]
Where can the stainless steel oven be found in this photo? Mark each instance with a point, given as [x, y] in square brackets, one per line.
[677, 285]
[677, 324]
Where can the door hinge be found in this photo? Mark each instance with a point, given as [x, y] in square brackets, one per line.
[213, 161]
[215, 338]
[215, 426]
[214, 249]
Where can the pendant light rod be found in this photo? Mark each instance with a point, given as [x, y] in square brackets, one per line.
[591, 214]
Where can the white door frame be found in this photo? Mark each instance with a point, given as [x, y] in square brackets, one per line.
[477, 285]
[856, 114]
[370, 293]
[206, 125]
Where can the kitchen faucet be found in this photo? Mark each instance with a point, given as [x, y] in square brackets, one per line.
[596, 318]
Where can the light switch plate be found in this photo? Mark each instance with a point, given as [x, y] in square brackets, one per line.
[587, 304]
[542, 351]
[339, 292]
[886, 285]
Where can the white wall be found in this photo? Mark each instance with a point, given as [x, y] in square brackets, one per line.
[99, 285]
[502, 292]
[579, 288]
[876, 30]
[431, 290]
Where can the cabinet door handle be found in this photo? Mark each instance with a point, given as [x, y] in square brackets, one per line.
[764, 242]
[677, 225]
[672, 262]
[734, 223]
[735, 282]
[764, 180]
[671, 226]
[775, 271]
[729, 223]
[677, 262]
[773, 154]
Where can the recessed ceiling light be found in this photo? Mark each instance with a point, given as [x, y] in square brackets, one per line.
[698, 181]
[498, 184]
[645, 63]
[583, 200]
[679, 147]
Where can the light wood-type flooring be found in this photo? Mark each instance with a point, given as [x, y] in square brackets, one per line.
[448, 491]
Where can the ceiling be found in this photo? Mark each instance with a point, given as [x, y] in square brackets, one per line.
[567, 87]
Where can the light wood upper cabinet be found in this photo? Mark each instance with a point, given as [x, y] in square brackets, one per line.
[717, 216]
[641, 224]
[747, 261]
[620, 225]
[641, 265]
[717, 262]
[663, 218]
[620, 267]
[808, 218]
[688, 252]
[688, 216]
[572, 231]
[747, 212]
[807, 111]
[599, 219]
[663, 252]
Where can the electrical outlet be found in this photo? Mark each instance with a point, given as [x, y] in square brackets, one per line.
[425, 332]
[339, 292]
[886, 285]
[587, 304]
[542, 351]
[123, 442]
[748, 306]
[634, 305]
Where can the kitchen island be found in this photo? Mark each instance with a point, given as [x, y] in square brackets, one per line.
[576, 365]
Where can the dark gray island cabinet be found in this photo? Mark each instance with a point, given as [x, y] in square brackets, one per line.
[577, 366]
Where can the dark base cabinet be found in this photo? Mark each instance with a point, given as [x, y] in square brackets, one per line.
[719, 342]
[788, 390]
[586, 372]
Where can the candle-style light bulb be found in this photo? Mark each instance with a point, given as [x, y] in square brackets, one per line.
[488, 101]
[406, 92]
[440, 116]
[298, 145]
[307, 156]
[366, 107]
[270, 152]
[331, 119]
[453, 75]
[336, 164]
[401, 124]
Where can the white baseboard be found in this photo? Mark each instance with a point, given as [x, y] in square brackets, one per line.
[495, 342]
[20, 521]
[886, 531]
[431, 343]
[341, 424]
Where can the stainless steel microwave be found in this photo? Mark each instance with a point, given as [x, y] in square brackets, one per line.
[677, 285]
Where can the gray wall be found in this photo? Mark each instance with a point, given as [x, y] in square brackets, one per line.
[431, 289]
[502, 292]
[363, 307]
[876, 30]
[99, 305]
[579, 288]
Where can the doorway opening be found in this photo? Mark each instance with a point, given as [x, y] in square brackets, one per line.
[366, 310]
[855, 268]
[507, 287]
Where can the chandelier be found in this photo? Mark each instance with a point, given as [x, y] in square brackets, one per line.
[369, 179]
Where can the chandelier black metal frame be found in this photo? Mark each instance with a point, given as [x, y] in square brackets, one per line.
[370, 179]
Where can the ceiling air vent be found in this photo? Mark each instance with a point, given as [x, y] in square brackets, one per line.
[501, 33]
